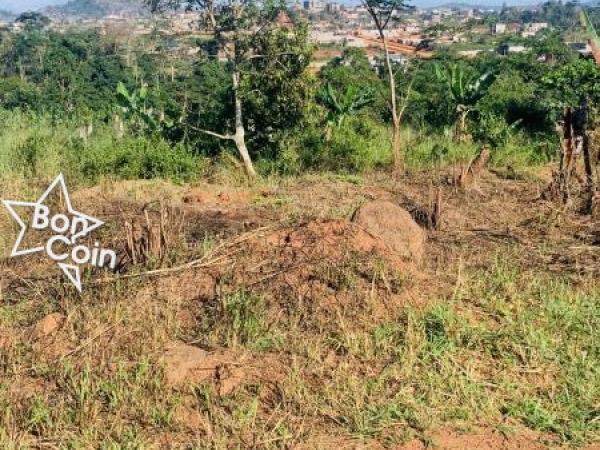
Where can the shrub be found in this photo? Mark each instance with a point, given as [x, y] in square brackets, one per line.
[33, 146]
[135, 157]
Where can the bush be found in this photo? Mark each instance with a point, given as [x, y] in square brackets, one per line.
[360, 144]
[425, 150]
[135, 158]
[33, 146]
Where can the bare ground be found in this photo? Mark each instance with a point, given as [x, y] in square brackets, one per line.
[301, 313]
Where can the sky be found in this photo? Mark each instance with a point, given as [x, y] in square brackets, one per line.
[23, 5]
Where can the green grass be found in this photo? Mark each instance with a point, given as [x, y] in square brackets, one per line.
[509, 345]
[35, 147]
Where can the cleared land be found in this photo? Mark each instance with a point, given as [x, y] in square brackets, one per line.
[282, 324]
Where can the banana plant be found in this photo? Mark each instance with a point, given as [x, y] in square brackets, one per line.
[134, 106]
[464, 90]
[340, 106]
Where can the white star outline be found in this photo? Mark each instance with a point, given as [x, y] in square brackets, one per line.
[70, 270]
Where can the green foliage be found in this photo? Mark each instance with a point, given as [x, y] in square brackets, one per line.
[362, 144]
[74, 78]
[64, 73]
[353, 68]
[277, 88]
[572, 84]
[551, 46]
[135, 158]
[464, 89]
[345, 104]
[16, 93]
[33, 146]
[242, 313]
[207, 104]
[136, 110]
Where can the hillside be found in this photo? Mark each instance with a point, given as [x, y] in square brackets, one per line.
[98, 8]
[6, 15]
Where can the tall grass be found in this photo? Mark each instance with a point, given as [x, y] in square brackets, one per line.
[37, 148]
[34, 147]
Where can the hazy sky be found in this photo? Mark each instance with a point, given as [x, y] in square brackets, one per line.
[22, 5]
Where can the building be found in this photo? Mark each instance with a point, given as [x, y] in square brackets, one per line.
[532, 29]
[332, 8]
[313, 6]
[498, 28]
[507, 49]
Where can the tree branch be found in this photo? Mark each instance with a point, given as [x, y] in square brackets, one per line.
[226, 137]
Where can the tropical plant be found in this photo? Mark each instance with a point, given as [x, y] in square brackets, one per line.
[136, 111]
[342, 105]
[465, 90]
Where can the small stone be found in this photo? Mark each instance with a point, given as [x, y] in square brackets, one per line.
[180, 361]
[47, 326]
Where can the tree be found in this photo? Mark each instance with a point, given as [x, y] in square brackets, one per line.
[277, 88]
[238, 29]
[551, 46]
[383, 12]
[32, 19]
[573, 84]
[464, 90]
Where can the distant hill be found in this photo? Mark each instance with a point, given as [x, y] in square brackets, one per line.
[98, 8]
[498, 5]
[460, 5]
[6, 15]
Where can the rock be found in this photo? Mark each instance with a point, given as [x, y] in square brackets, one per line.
[394, 226]
[229, 379]
[192, 420]
[185, 364]
[47, 326]
[199, 196]
[180, 361]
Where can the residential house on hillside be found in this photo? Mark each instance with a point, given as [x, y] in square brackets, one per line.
[507, 49]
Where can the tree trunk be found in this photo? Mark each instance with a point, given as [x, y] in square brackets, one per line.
[461, 125]
[240, 133]
[396, 152]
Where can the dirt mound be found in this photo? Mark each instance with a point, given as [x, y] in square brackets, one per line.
[394, 226]
[187, 365]
[329, 239]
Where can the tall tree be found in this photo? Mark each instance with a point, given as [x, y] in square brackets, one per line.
[383, 13]
[33, 19]
[238, 28]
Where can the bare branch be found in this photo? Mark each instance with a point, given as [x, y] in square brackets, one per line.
[226, 137]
